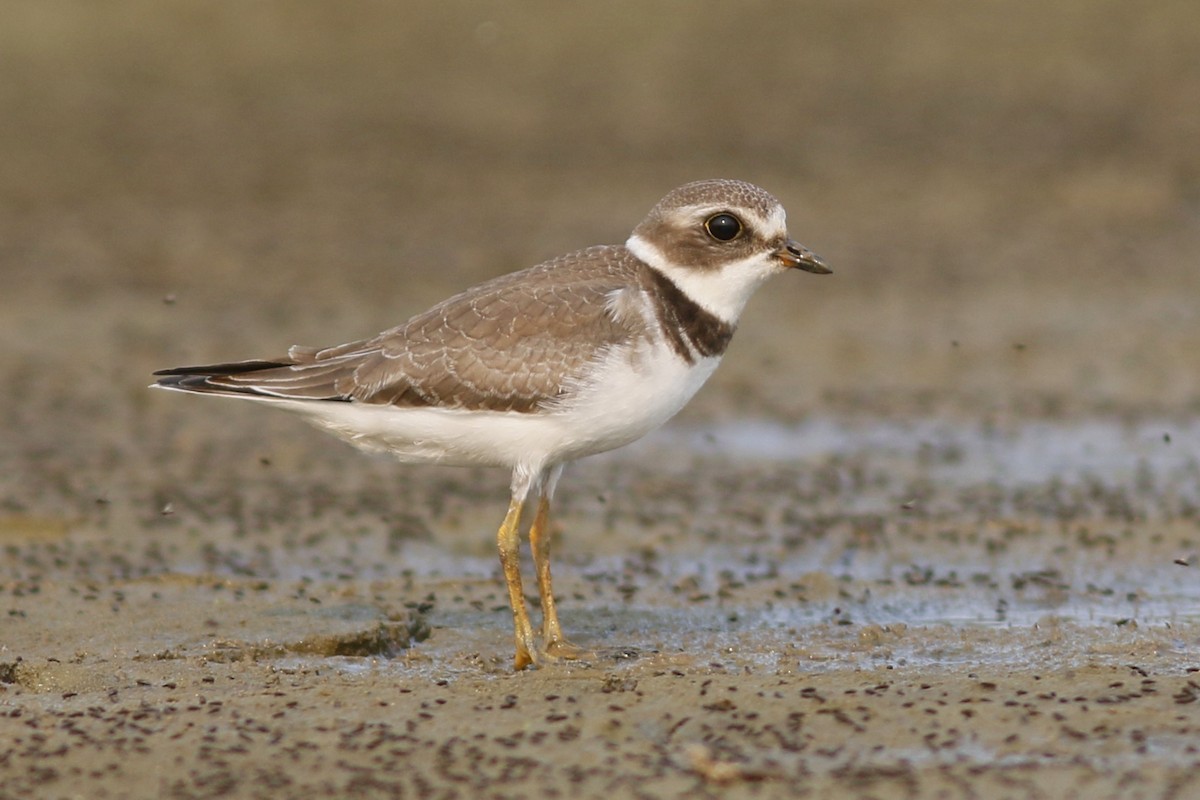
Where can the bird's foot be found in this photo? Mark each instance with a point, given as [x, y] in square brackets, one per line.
[525, 657]
[562, 650]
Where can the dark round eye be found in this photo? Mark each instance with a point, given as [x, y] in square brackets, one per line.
[723, 227]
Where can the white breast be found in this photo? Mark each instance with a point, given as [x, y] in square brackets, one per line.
[632, 392]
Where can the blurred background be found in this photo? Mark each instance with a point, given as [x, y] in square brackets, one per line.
[1009, 192]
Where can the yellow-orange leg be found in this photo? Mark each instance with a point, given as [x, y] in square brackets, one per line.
[553, 643]
[508, 542]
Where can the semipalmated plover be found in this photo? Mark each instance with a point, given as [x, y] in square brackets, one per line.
[578, 355]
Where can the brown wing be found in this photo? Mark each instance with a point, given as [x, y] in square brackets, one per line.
[511, 344]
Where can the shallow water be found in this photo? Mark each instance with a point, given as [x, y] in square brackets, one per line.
[1017, 454]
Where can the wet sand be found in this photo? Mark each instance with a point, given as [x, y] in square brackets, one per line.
[931, 531]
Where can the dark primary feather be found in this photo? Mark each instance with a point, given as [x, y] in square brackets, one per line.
[197, 378]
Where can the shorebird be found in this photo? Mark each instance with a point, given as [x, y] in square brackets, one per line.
[528, 371]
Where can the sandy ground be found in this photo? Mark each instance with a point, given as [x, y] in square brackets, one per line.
[931, 531]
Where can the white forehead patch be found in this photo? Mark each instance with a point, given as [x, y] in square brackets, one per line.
[776, 221]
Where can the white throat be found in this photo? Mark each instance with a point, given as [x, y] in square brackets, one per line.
[722, 292]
